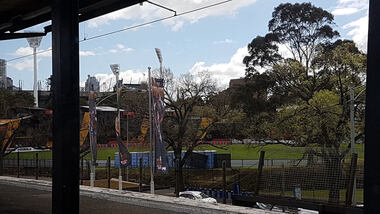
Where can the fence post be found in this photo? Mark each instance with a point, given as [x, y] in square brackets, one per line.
[81, 171]
[140, 175]
[18, 164]
[37, 168]
[109, 172]
[224, 181]
[351, 178]
[283, 180]
[260, 171]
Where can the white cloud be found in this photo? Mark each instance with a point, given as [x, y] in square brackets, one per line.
[86, 53]
[226, 41]
[359, 32]
[107, 81]
[344, 11]
[120, 48]
[223, 72]
[358, 28]
[23, 51]
[26, 64]
[348, 7]
[149, 12]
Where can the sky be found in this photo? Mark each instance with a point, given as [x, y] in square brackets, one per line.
[213, 39]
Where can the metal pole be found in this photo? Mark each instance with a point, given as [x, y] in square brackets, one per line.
[35, 85]
[37, 166]
[127, 146]
[140, 174]
[18, 164]
[150, 133]
[224, 181]
[81, 171]
[109, 172]
[118, 121]
[352, 125]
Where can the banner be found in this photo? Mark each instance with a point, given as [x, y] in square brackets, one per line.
[92, 126]
[125, 156]
[161, 156]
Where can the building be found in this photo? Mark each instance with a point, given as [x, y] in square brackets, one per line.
[92, 84]
[3, 74]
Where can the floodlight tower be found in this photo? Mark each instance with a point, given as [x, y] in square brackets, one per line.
[116, 70]
[159, 55]
[34, 42]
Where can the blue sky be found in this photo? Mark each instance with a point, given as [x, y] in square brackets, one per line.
[214, 39]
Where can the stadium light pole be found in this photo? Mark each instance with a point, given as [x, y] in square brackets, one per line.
[150, 133]
[34, 42]
[159, 55]
[115, 70]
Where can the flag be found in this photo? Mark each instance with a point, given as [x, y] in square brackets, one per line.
[161, 157]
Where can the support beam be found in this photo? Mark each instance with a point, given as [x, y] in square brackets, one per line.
[7, 36]
[65, 44]
[372, 122]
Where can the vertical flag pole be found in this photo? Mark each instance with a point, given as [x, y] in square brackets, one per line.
[118, 124]
[150, 133]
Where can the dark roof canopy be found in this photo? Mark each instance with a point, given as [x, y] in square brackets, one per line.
[16, 15]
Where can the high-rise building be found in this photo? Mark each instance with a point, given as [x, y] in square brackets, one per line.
[92, 84]
[3, 74]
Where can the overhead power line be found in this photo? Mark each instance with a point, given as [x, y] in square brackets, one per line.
[134, 26]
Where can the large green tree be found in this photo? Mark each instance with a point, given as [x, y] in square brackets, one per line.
[311, 84]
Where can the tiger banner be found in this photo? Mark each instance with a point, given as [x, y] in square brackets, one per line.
[161, 156]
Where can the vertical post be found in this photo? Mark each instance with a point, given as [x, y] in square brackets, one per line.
[259, 171]
[18, 164]
[127, 145]
[88, 169]
[65, 44]
[35, 86]
[81, 171]
[140, 175]
[352, 128]
[92, 174]
[372, 115]
[150, 133]
[109, 172]
[350, 186]
[224, 181]
[283, 180]
[37, 167]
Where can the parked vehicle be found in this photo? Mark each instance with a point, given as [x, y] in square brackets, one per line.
[198, 196]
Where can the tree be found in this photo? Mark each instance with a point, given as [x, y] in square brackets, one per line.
[191, 100]
[314, 110]
[13, 99]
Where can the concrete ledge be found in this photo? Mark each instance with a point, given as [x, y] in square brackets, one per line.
[138, 199]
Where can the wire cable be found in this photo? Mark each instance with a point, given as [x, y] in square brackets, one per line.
[134, 26]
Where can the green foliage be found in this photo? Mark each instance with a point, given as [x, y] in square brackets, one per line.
[13, 99]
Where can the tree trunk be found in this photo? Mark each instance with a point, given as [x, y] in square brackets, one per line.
[179, 177]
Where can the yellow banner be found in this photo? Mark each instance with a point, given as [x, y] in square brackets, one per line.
[84, 128]
[12, 126]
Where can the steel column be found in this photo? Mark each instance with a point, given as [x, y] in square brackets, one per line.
[65, 44]
[372, 122]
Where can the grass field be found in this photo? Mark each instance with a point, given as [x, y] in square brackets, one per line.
[320, 194]
[238, 152]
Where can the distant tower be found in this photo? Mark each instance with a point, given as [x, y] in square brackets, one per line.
[34, 42]
[3, 73]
